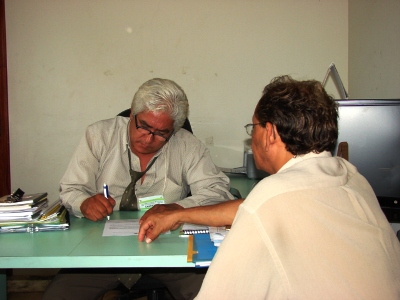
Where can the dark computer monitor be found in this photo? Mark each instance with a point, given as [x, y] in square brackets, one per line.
[371, 129]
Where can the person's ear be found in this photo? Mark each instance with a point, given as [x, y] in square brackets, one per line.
[266, 139]
[271, 132]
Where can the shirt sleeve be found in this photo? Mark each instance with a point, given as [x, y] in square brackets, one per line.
[208, 184]
[79, 180]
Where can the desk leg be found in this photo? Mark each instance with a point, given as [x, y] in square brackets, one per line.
[3, 284]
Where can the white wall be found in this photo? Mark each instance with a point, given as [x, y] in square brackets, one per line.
[374, 49]
[71, 63]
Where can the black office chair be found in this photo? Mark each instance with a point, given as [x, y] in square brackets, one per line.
[127, 113]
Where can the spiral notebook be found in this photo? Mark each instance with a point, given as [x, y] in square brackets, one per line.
[189, 229]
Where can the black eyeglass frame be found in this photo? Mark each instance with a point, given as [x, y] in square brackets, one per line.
[153, 133]
[251, 128]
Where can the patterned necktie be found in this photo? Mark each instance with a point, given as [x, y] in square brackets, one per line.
[129, 200]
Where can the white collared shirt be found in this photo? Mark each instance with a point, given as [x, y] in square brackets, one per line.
[184, 164]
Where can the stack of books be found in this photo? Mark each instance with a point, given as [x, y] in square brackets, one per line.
[22, 208]
[31, 213]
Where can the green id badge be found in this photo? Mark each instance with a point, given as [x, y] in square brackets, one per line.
[146, 203]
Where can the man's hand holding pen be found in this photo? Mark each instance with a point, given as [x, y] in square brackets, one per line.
[97, 207]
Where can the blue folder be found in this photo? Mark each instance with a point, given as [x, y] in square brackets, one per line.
[201, 250]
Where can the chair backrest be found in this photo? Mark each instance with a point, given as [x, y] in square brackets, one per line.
[127, 112]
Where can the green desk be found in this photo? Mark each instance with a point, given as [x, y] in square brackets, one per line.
[242, 183]
[83, 246]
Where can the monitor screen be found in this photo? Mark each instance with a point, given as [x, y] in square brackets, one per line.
[371, 129]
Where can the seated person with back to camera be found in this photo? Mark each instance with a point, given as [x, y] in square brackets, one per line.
[149, 147]
[313, 229]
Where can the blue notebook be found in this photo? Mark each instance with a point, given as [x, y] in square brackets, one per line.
[201, 250]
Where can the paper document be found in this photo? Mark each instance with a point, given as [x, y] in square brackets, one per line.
[121, 227]
[217, 234]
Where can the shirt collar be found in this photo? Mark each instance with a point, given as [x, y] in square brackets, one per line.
[298, 158]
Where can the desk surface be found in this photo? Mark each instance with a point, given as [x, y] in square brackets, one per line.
[84, 246]
[242, 183]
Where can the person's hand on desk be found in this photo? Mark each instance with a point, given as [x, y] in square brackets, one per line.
[160, 220]
[157, 220]
[97, 207]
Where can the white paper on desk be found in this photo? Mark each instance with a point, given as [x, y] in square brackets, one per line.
[121, 227]
[125, 227]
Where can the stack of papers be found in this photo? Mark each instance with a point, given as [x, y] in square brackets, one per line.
[217, 234]
[43, 218]
[26, 208]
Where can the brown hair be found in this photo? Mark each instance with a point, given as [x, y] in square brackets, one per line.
[305, 116]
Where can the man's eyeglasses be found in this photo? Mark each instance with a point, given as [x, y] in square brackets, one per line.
[157, 135]
[250, 128]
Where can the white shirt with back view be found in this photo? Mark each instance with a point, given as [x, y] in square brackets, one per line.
[314, 230]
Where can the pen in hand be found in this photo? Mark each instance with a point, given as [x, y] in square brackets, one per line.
[106, 194]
